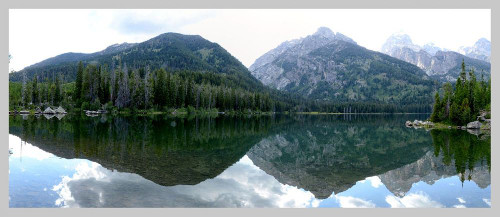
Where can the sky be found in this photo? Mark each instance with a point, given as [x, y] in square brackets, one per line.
[38, 34]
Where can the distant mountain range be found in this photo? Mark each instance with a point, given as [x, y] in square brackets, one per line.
[324, 66]
[439, 63]
[331, 66]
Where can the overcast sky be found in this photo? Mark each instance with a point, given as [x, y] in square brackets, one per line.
[35, 35]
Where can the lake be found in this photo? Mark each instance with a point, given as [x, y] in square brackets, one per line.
[267, 161]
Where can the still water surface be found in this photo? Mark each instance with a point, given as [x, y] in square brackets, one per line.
[279, 161]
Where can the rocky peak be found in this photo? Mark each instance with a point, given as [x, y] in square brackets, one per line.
[325, 32]
[431, 48]
[398, 41]
[481, 50]
[483, 43]
[299, 47]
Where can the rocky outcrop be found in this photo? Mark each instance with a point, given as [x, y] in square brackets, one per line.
[474, 125]
[481, 50]
[331, 66]
[441, 64]
[419, 124]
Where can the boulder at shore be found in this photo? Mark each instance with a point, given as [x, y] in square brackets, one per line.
[48, 110]
[474, 125]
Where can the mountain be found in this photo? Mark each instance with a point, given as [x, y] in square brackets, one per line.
[171, 51]
[429, 169]
[149, 148]
[74, 57]
[334, 153]
[481, 50]
[331, 66]
[438, 63]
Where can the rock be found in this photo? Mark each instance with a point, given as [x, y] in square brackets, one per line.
[409, 123]
[60, 110]
[476, 132]
[435, 61]
[474, 125]
[48, 110]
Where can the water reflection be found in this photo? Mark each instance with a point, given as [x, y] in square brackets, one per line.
[301, 161]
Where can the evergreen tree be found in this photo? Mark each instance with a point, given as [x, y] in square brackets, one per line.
[78, 84]
[148, 89]
[34, 88]
[159, 88]
[123, 97]
[57, 94]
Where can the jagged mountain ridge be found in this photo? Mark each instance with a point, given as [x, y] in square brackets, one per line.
[439, 63]
[331, 66]
[481, 50]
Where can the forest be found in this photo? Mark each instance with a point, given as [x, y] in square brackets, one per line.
[143, 90]
[463, 103]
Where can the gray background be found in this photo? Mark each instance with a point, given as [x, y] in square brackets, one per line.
[494, 5]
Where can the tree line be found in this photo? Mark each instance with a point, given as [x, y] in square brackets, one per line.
[100, 87]
[118, 87]
[463, 103]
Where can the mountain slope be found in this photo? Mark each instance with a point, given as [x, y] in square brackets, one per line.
[332, 67]
[171, 51]
[440, 64]
[481, 50]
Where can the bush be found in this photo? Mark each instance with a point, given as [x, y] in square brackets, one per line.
[96, 105]
[190, 110]
[108, 106]
[85, 106]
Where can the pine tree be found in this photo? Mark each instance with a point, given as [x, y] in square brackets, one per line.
[34, 97]
[24, 93]
[78, 84]
[123, 98]
[57, 94]
[159, 88]
[148, 89]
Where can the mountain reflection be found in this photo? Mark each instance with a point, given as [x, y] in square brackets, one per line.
[279, 161]
[165, 151]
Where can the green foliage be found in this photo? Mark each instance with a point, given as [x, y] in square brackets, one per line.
[462, 104]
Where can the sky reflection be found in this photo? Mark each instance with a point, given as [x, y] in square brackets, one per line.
[40, 179]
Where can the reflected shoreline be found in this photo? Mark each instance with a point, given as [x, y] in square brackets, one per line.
[188, 153]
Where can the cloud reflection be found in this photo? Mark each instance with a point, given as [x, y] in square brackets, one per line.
[353, 202]
[413, 200]
[241, 185]
[21, 149]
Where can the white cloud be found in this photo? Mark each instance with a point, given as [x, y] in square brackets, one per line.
[459, 206]
[374, 181]
[241, 185]
[461, 200]
[487, 201]
[35, 34]
[22, 149]
[83, 171]
[413, 200]
[353, 202]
